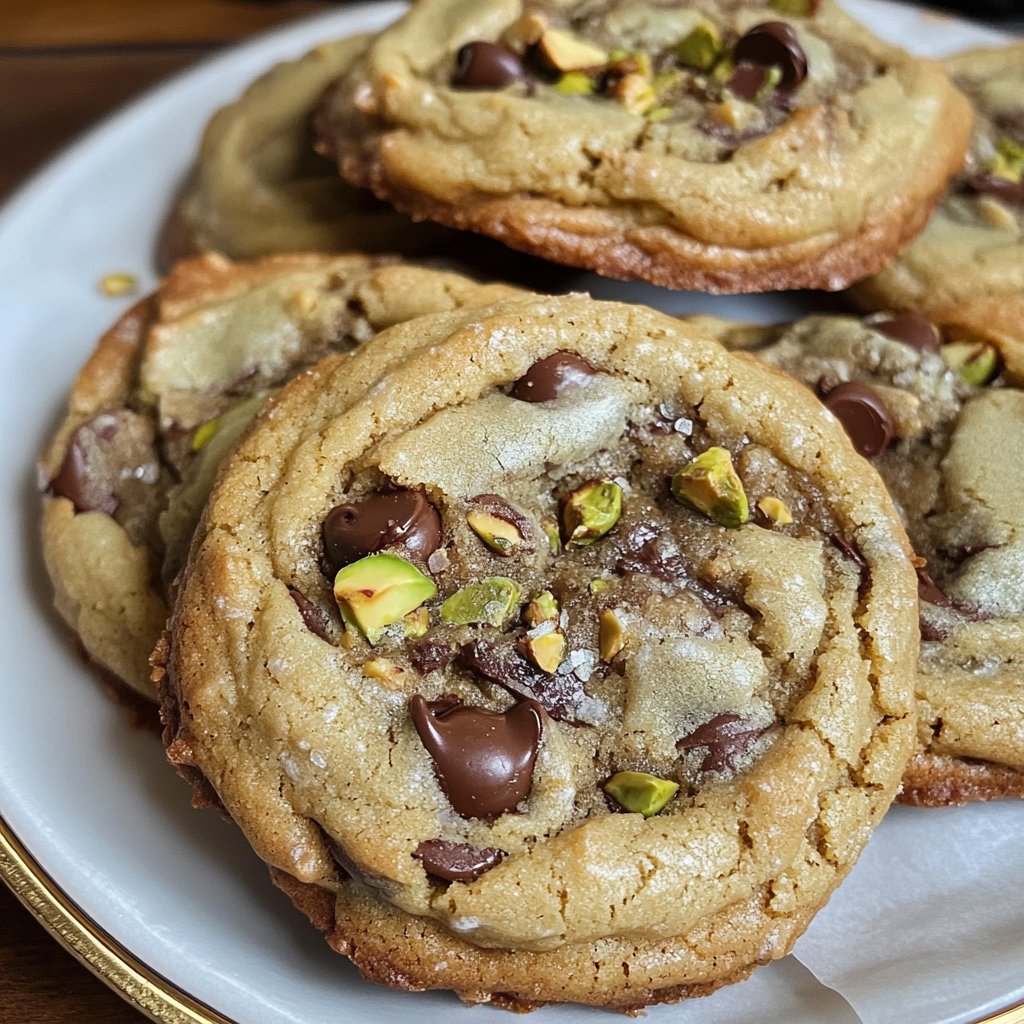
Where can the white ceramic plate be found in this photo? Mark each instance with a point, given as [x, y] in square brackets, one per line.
[91, 808]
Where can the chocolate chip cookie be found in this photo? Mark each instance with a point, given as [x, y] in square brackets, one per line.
[258, 188]
[501, 669]
[166, 393]
[946, 432]
[728, 147]
[966, 270]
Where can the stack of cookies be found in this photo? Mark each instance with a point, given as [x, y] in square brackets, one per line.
[550, 649]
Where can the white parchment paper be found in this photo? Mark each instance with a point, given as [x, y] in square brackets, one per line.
[930, 922]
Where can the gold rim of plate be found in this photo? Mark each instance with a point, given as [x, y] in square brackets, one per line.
[140, 986]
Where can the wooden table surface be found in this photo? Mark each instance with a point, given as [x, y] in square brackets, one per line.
[69, 62]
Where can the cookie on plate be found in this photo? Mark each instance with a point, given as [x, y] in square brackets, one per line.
[167, 391]
[947, 436]
[495, 668]
[966, 270]
[724, 147]
[258, 188]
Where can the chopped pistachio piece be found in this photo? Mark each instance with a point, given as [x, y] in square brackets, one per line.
[204, 433]
[634, 92]
[610, 638]
[416, 623]
[639, 792]
[550, 528]
[380, 590]
[498, 534]
[117, 284]
[567, 52]
[776, 510]
[383, 670]
[976, 362]
[700, 49]
[492, 601]
[657, 114]
[599, 585]
[546, 652]
[796, 8]
[543, 608]
[711, 485]
[591, 511]
[1009, 160]
[575, 83]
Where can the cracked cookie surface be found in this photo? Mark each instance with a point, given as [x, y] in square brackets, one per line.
[954, 466]
[722, 146]
[167, 391]
[966, 269]
[497, 666]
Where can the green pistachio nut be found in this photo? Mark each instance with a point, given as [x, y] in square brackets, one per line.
[498, 534]
[700, 49]
[416, 623]
[380, 590]
[575, 83]
[639, 792]
[711, 485]
[796, 8]
[976, 362]
[550, 528]
[546, 652]
[543, 608]
[591, 511]
[492, 601]
[1009, 160]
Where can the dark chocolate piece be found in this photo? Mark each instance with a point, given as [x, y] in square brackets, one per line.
[726, 737]
[774, 44]
[315, 618]
[549, 377]
[483, 65]
[1008, 191]
[641, 555]
[484, 759]
[748, 80]
[910, 328]
[456, 862]
[864, 415]
[430, 654]
[928, 590]
[355, 530]
[82, 477]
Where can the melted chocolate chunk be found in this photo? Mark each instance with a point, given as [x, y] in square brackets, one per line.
[928, 590]
[456, 862]
[549, 377]
[864, 415]
[483, 65]
[641, 555]
[1008, 191]
[774, 44]
[315, 618]
[353, 531]
[910, 328]
[430, 654]
[559, 695]
[484, 759]
[748, 80]
[726, 738]
[84, 477]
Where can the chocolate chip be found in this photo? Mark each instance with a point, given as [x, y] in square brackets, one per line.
[928, 590]
[849, 551]
[483, 65]
[748, 80]
[727, 737]
[910, 328]
[641, 555]
[484, 759]
[314, 617]
[352, 531]
[864, 415]
[774, 44]
[1008, 191]
[430, 654]
[559, 695]
[549, 377]
[456, 862]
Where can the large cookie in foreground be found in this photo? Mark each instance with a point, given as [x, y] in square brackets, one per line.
[949, 443]
[165, 394]
[966, 270]
[723, 148]
[497, 659]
